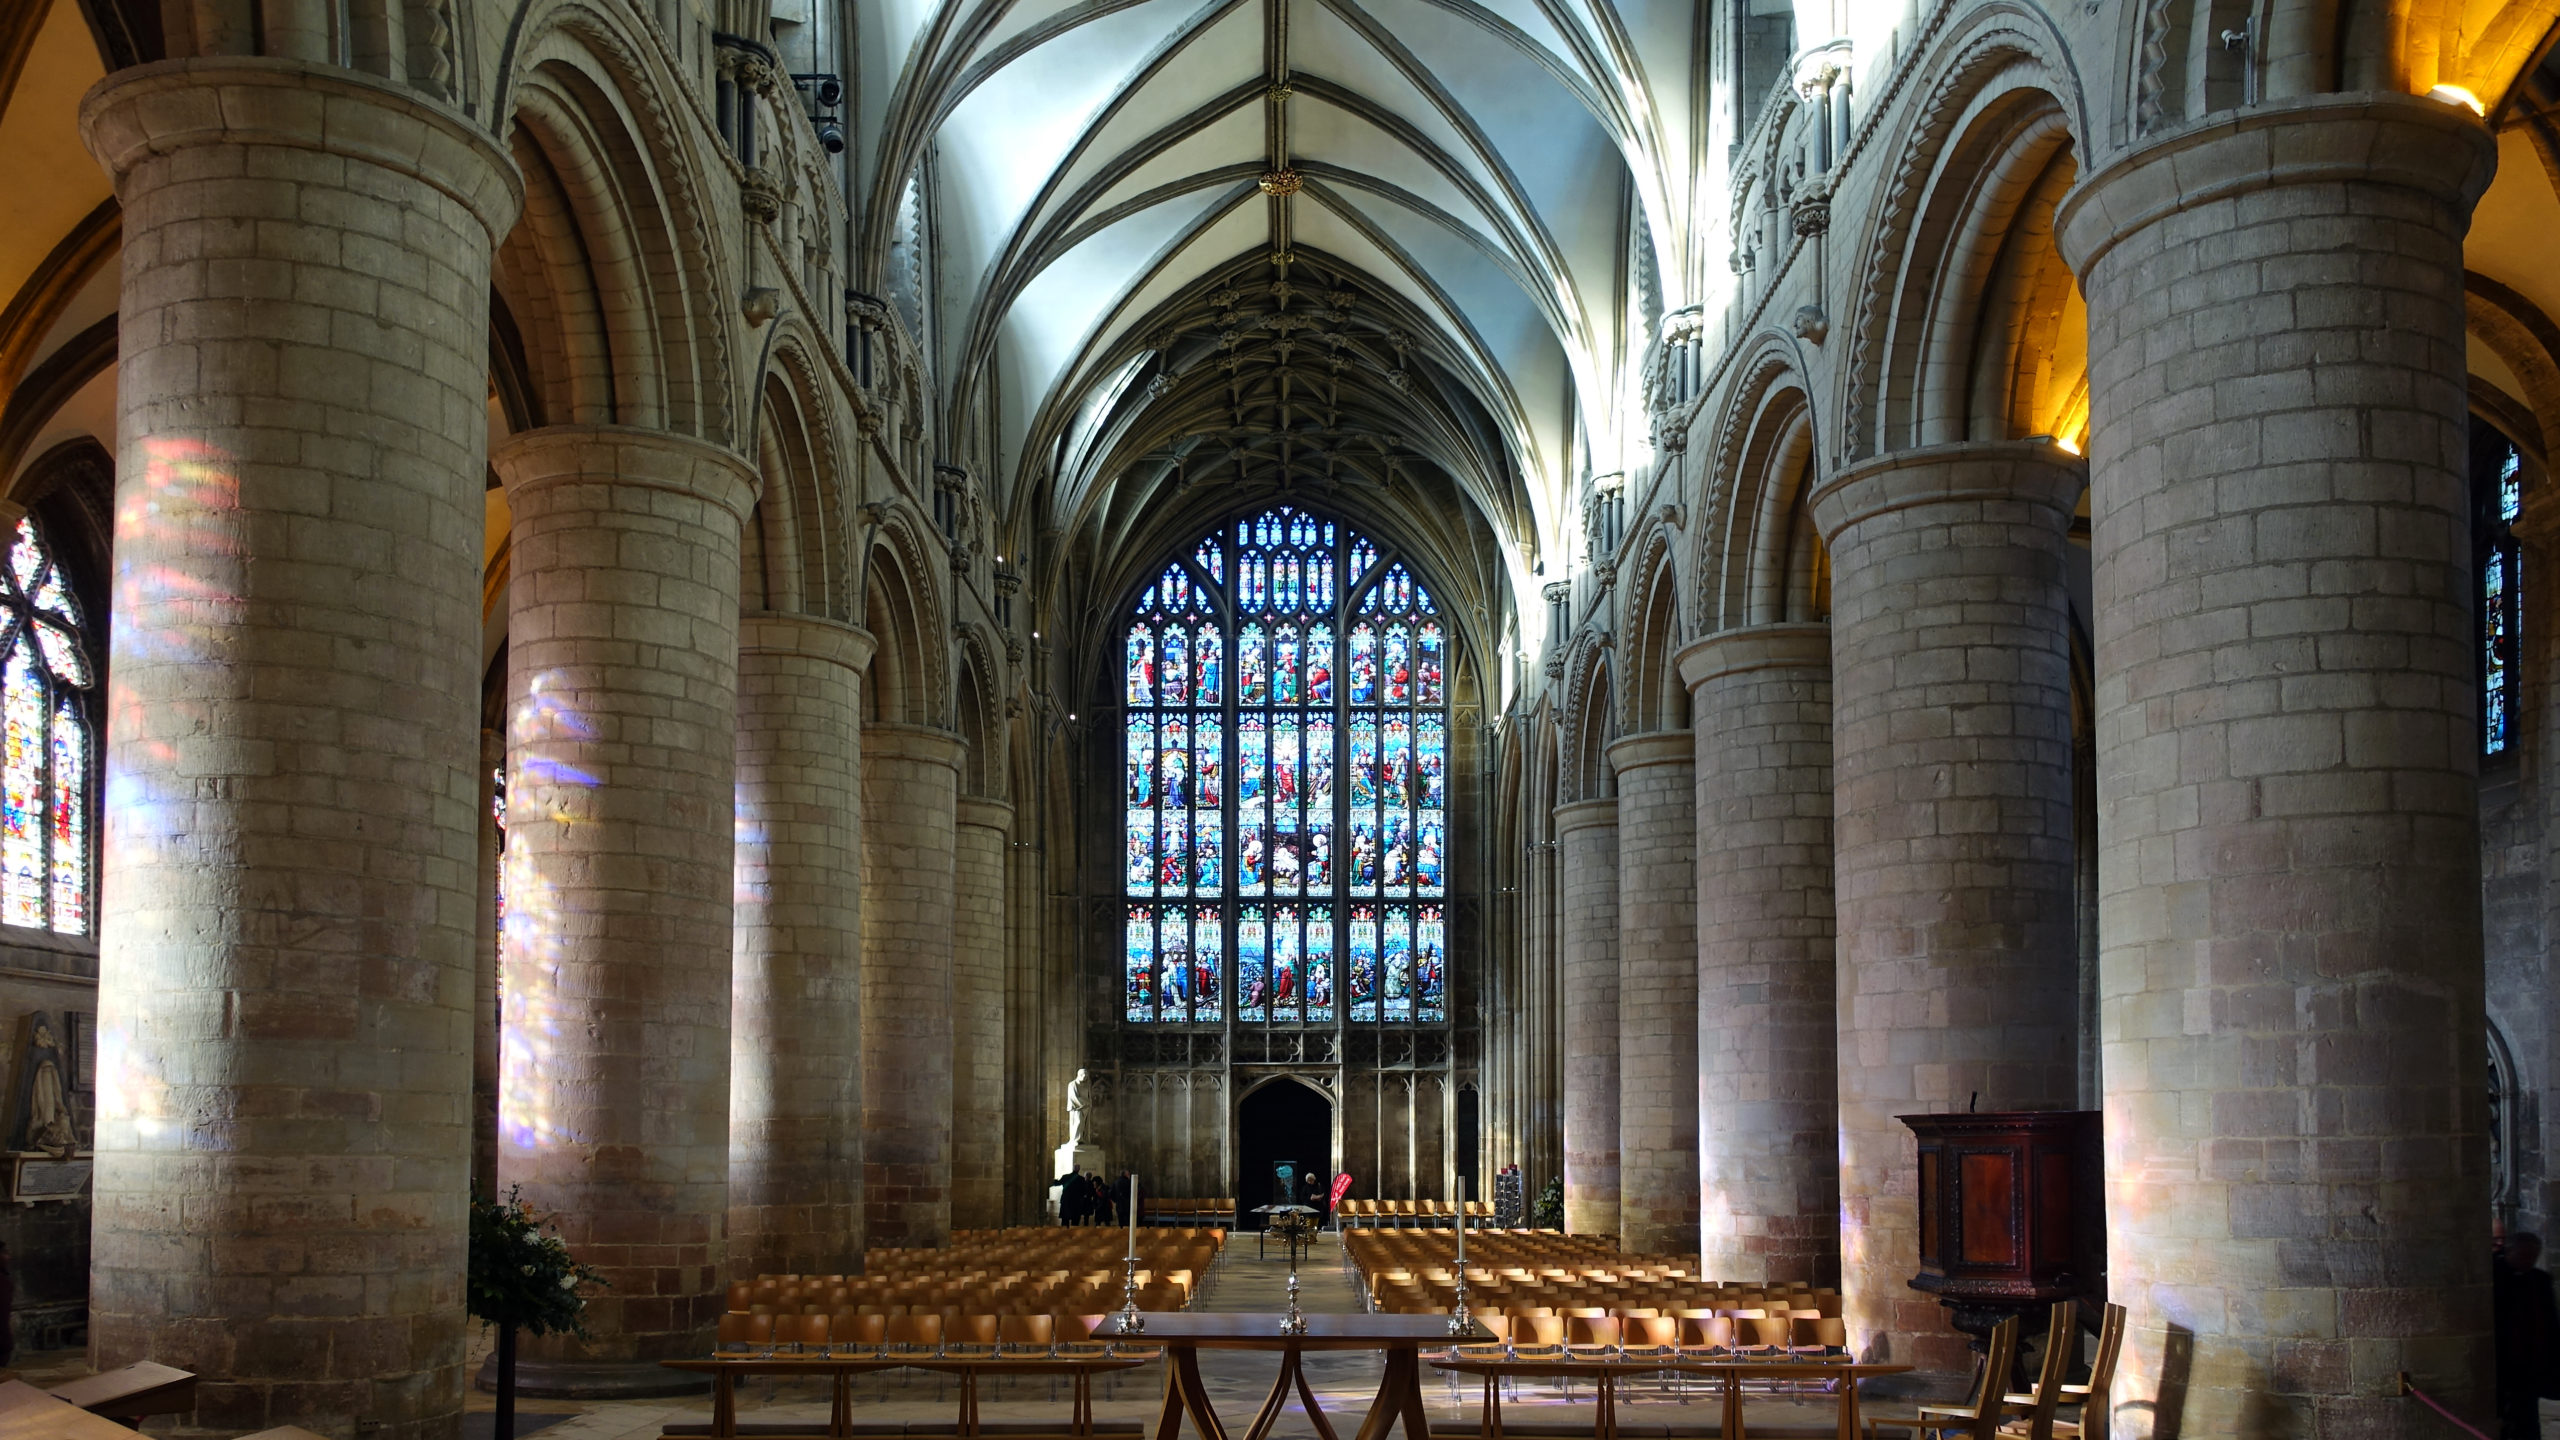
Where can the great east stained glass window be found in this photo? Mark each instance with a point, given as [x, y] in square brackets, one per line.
[48, 758]
[1296, 657]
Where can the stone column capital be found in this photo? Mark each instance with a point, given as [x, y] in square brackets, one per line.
[986, 813]
[923, 744]
[137, 114]
[1586, 815]
[1660, 747]
[2425, 146]
[814, 637]
[1790, 646]
[533, 461]
[2030, 472]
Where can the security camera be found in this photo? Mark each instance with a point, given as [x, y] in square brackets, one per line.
[830, 94]
[831, 135]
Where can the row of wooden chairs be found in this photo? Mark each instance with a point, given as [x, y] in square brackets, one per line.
[1409, 1214]
[1016, 1293]
[1213, 1210]
[847, 1335]
[1997, 1413]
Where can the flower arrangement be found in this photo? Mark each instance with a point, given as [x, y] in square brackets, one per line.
[1549, 1214]
[522, 1275]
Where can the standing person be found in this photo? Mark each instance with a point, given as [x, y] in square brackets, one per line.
[1074, 1201]
[2527, 1327]
[1106, 1206]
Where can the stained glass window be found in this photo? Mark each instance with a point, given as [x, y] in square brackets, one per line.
[1282, 868]
[2497, 483]
[48, 761]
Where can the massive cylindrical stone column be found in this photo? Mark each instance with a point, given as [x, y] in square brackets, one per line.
[910, 793]
[1768, 1080]
[977, 1013]
[2288, 740]
[1657, 992]
[1957, 970]
[286, 932]
[622, 705]
[795, 1065]
[1587, 967]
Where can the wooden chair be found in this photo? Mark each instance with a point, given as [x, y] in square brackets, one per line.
[2061, 1346]
[2095, 1398]
[856, 1332]
[1027, 1335]
[746, 1334]
[801, 1334]
[1979, 1420]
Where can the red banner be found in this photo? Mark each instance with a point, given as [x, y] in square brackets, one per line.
[1341, 1187]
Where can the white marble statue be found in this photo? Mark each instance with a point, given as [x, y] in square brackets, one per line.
[1075, 1109]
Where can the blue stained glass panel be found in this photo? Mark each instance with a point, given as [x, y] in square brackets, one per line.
[1142, 761]
[1431, 686]
[1320, 964]
[1253, 743]
[1433, 748]
[1253, 667]
[1253, 984]
[1140, 962]
[1142, 852]
[1398, 665]
[1285, 994]
[1208, 952]
[1173, 964]
[1395, 767]
[1170, 665]
[1364, 962]
[1173, 867]
[1142, 665]
[1206, 877]
[1364, 664]
[1431, 966]
[1284, 665]
[1208, 763]
[1396, 945]
[1430, 853]
[1319, 664]
[1206, 652]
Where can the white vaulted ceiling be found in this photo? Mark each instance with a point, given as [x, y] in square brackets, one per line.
[1487, 191]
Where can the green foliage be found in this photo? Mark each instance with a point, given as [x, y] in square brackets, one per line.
[1549, 1212]
[521, 1276]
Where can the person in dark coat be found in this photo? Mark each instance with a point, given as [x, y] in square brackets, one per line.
[2526, 1320]
[1075, 1199]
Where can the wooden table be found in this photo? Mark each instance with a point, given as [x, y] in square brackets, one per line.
[1185, 1334]
[1604, 1375]
[724, 1371]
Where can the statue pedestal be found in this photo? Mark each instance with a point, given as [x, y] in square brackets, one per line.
[1082, 1159]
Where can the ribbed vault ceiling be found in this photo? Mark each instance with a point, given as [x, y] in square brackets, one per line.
[1265, 241]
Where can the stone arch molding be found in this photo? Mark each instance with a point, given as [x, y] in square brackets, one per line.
[1654, 633]
[1724, 574]
[898, 572]
[820, 529]
[615, 256]
[1587, 723]
[2000, 51]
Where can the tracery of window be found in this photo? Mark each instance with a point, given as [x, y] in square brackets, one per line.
[1339, 665]
[47, 758]
[2497, 482]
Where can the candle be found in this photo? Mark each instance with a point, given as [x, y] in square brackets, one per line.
[1133, 1214]
[1462, 1227]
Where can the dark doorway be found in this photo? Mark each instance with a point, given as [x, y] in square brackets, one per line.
[1284, 1122]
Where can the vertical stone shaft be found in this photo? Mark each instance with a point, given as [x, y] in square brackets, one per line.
[1957, 972]
[1587, 925]
[2288, 746]
[622, 655]
[911, 788]
[1657, 992]
[1768, 1079]
[795, 1068]
[284, 1137]
[978, 1013]
[484, 972]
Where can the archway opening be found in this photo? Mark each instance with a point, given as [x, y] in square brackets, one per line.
[1283, 1123]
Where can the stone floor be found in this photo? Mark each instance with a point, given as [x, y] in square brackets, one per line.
[1237, 1380]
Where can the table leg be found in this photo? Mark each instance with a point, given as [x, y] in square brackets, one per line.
[1185, 1395]
[840, 1413]
[1269, 1414]
[1849, 1408]
[1390, 1404]
[1307, 1402]
[968, 1402]
[1605, 1420]
[1732, 1406]
[1169, 1424]
[1417, 1420]
[1080, 1396]
[724, 1403]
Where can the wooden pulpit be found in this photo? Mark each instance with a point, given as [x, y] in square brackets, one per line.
[2012, 1213]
